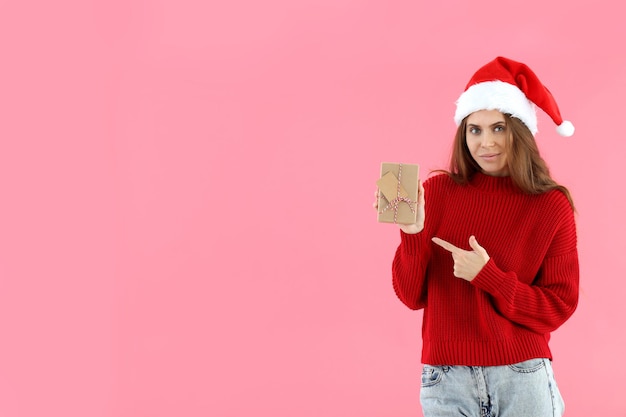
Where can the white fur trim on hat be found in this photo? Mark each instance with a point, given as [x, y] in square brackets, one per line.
[496, 95]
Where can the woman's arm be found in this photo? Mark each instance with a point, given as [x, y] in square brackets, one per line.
[552, 297]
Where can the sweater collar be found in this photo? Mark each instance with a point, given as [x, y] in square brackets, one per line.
[493, 184]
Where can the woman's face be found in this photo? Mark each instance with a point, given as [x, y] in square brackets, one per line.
[486, 134]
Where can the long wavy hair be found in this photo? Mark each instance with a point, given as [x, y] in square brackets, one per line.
[527, 168]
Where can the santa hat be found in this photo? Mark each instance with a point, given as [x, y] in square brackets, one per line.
[510, 87]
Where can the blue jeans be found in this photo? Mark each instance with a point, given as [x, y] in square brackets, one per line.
[525, 389]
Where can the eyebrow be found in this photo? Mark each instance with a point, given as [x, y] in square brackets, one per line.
[501, 122]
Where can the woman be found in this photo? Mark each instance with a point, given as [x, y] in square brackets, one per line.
[494, 263]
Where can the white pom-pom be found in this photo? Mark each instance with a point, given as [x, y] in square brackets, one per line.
[566, 128]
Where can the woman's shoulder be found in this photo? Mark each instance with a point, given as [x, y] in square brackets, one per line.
[556, 199]
[438, 179]
[553, 207]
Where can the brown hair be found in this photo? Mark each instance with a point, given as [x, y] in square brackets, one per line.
[527, 168]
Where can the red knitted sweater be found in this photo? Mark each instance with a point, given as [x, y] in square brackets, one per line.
[528, 288]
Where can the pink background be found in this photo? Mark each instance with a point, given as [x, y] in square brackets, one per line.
[186, 223]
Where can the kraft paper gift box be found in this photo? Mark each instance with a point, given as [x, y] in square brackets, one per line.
[397, 193]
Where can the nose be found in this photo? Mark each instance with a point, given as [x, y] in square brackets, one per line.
[487, 140]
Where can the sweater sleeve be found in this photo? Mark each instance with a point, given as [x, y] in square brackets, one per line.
[409, 270]
[413, 255]
[547, 302]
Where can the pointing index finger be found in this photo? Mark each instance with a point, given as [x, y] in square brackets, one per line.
[446, 245]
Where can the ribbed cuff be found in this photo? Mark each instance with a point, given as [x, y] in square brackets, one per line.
[410, 243]
[496, 282]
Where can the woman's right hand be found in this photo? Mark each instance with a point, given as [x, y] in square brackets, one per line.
[418, 226]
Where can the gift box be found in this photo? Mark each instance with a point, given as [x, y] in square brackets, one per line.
[397, 193]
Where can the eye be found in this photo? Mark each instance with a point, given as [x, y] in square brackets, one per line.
[499, 128]
[474, 130]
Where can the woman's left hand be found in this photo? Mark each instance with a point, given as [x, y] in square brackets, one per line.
[467, 264]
